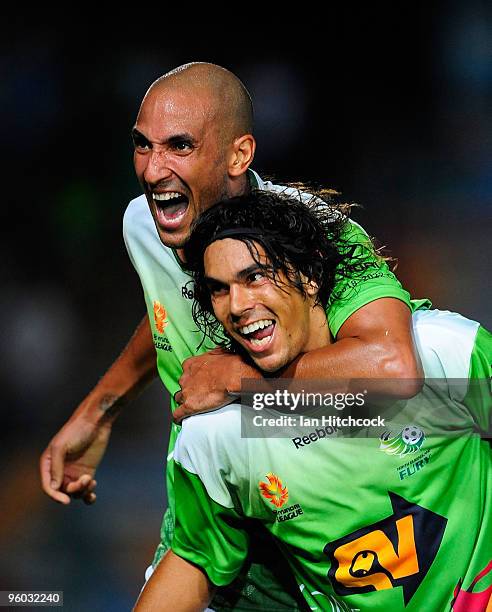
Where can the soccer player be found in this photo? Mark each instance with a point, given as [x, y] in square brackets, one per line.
[397, 522]
[193, 147]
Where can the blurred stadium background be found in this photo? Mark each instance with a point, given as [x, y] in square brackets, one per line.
[393, 109]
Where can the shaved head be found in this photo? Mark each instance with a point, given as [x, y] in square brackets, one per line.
[193, 145]
[224, 96]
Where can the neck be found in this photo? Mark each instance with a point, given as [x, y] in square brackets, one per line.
[238, 185]
[319, 332]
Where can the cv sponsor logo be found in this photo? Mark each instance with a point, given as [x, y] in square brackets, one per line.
[160, 317]
[395, 552]
[409, 440]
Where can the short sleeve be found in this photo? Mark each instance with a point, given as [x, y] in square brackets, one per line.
[207, 533]
[479, 395]
[369, 280]
[210, 463]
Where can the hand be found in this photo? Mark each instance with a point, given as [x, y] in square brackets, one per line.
[209, 380]
[70, 461]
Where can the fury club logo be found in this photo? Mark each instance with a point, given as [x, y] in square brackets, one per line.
[394, 552]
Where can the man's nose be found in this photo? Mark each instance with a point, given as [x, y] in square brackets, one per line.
[157, 168]
[240, 299]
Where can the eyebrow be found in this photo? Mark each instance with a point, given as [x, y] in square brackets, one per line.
[136, 134]
[239, 276]
[175, 138]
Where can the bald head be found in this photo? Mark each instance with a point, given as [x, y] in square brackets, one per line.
[192, 141]
[225, 98]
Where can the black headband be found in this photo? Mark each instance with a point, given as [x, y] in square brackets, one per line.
[236, 231]
[249, 232]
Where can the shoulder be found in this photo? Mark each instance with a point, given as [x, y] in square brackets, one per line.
[445, 342]
[135, 208]
[210, 446]
[137, 215]
[352, 231]
[212, 436]
[213, 424]
[290, 192]
[141, 238]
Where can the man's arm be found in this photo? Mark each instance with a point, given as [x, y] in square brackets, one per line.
[369, 316]
[375, 342]
[175, 585]
[70, 461]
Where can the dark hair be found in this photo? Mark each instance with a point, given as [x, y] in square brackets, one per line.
[300, 234]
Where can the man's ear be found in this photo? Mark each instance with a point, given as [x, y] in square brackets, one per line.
[311, 287]
[243, 151]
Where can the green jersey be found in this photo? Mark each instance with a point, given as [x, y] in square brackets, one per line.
[168, 293]
[396, 522]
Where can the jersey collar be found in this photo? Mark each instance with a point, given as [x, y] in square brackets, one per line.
[255, 181]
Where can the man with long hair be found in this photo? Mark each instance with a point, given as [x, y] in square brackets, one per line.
[374, 520]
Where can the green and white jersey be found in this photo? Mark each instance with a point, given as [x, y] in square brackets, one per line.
[168, 293]
[400, 522]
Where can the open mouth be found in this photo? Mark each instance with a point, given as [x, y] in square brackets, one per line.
[170, 208]
[258, 335]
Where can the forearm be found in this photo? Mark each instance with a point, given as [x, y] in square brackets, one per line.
[129, 374]
[347, 358]
[374, 344]
[370, 346]
[175, 585]
[350, 359]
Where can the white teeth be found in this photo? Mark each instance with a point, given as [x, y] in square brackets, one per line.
[260, 342]
[169, 195]
[248, 329]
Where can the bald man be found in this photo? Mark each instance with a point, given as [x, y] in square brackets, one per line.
[193, 147]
